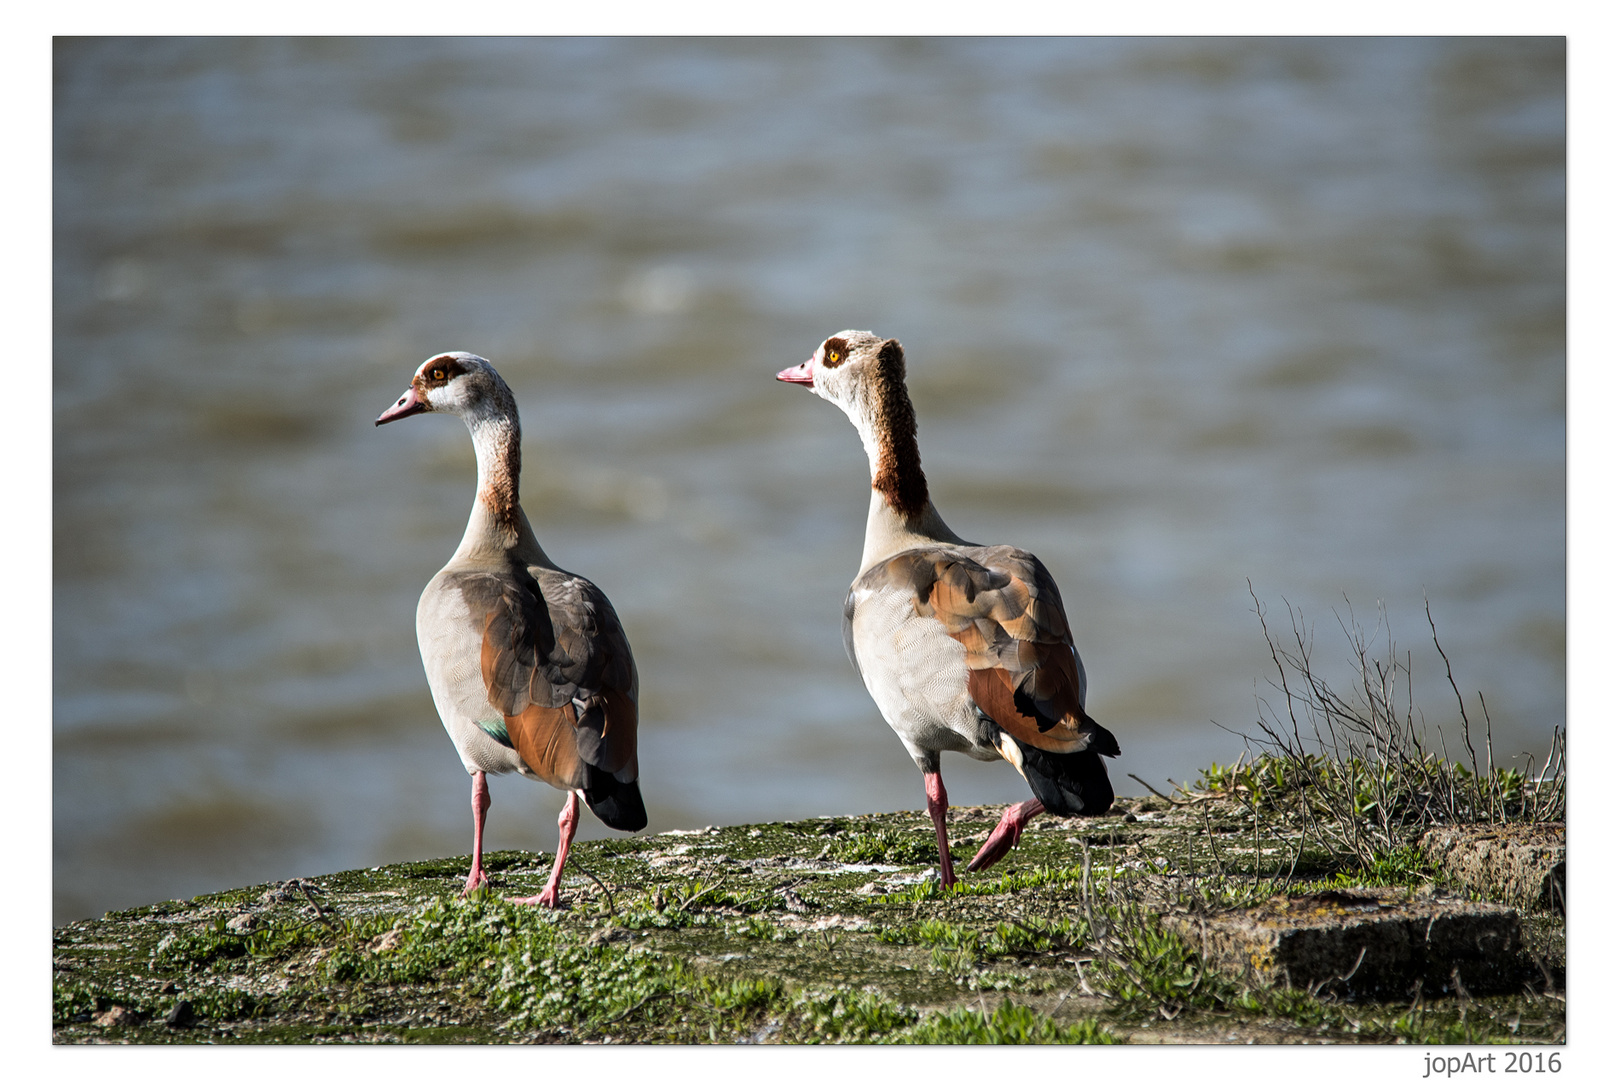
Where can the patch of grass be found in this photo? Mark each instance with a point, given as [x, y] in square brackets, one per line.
[230, 1004]
[1220, 892]
[683, 904]
[742, 998]
[840, 1016]
[1404, 867]
[1298, 1007]
[76, 1003]
[1009, 1025]
[548, 983]
[1353, 768]
[934, 932]
[1012, 881]
[218, 944]
[921, 893]
[179, 951]
[1429, 1027]
[522, 962]
[1035, 935]
[885, 846]
[958, 949]
[443, 939]
[1147, 969]
[436, 868]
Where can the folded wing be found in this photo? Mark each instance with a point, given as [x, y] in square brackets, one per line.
[1003, 607]
[557, 667]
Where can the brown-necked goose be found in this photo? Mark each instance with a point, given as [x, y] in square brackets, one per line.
[963, 647]
[529, 667]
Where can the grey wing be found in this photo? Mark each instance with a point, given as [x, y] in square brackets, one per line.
[593, 670]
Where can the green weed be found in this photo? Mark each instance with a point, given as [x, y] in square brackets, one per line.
[849, 1015]
[885, 846]
[584, 986]
[449, 939]
[75, 1004]
[1406, 867]
[1012, 881]
[1353, 767]
[218, 944]
[229, 1004]
[1009, 1025]
[740, 997]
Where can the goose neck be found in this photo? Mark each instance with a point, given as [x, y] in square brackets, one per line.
[889, 532]
[888, 428]
[497, 442]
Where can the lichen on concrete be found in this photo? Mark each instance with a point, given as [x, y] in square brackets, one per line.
[1521, 864]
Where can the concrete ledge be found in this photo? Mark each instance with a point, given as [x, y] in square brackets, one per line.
[1521, 864]
[1371, 942]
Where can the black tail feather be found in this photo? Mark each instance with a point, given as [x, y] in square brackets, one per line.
[1102, 740]
[1069, 785]
[616, 802]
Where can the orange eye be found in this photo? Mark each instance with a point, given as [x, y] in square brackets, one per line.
[834, 351]
[438, 374]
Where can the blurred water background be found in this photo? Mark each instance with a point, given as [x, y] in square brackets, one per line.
[1180, 315]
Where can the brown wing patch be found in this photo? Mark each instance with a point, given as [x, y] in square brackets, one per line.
[993, 693]
[514, 658]
[545, 739]
[1003, 607]
[561, 675]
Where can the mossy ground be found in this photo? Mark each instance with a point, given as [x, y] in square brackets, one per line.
[827, 930]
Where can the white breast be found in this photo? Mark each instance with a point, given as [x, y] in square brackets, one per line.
[452, 641]
[915, 672]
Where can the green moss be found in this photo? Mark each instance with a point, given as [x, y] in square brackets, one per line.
[78, 1002]
[229, 1004]
[218, 944]
[901, 847]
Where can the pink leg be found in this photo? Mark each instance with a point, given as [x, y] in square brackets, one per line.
[480, 803]
[567, 822]
[1004, 837]
[934, 786]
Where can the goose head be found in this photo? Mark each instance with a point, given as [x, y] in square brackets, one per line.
[460, 383]
[865, 376]
[848, 369]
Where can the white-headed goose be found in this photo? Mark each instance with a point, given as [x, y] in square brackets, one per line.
[963, 647]
[529, 667]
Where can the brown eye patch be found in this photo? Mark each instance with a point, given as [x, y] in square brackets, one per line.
[834, 351]
[444, 369]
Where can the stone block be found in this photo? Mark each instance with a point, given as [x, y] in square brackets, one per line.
[1370, 942]
[1521, 864]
